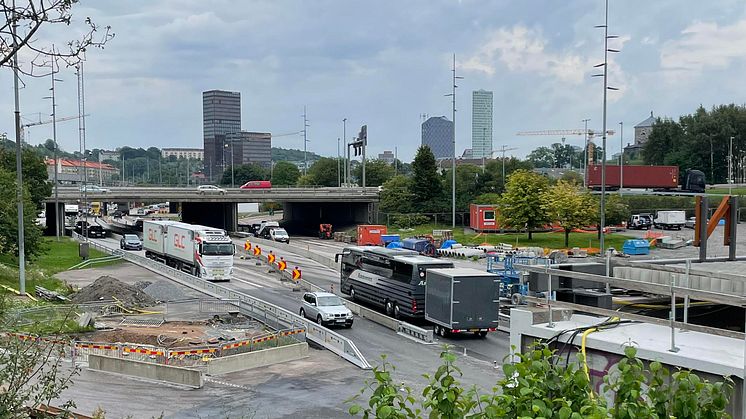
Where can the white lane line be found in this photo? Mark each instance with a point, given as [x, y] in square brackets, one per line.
[250, 284]
[258, 284]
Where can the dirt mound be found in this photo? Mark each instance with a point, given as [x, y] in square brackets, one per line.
[109, 288]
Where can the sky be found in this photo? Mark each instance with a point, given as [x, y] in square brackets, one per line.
[385, 63]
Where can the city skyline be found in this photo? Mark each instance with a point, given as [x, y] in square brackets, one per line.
[139, 93]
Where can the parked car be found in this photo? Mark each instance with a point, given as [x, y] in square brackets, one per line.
[326, 308]
[640, 222]
[130, 242]
[93, 189]
[210, 189]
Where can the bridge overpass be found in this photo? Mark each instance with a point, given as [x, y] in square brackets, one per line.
[302, 207]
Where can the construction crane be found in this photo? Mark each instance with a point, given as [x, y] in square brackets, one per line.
[40, 122]
[559, 132]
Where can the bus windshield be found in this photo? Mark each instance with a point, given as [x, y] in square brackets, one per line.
[217, 249]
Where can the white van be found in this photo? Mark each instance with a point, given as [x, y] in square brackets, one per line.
[279, 235]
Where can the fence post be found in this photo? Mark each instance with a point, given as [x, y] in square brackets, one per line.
[673, 316]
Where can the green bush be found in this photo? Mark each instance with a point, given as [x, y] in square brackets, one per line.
[539, 385]
[409, 220]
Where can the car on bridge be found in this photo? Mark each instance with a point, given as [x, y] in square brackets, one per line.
[326, 309]
[257, 184]
[210, 189]
[93, 189]
[130, 242]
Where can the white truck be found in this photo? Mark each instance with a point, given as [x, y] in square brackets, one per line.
[205, 252]
[265, 227]
[670, 219]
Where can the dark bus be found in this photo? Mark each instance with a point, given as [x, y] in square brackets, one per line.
[392, 279]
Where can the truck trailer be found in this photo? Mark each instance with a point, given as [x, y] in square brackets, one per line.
[670, 219]
[663, 178]
[205, 252]
[462, 300]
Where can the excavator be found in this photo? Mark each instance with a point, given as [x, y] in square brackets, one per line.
[325, 231]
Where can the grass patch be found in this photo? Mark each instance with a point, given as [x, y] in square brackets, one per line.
[724, 191]
[57, 257]
[545, 240]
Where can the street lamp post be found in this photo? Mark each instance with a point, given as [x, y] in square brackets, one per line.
[730, 165]
[453, 156]
[56, 155]
[19, 171]
[233, 179]
[621, 157]
[585, 154]
[339, 163]
[346, 152]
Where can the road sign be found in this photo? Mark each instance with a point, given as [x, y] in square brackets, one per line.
[282, 265]
[296, 274]
[271, 258]
[247, 246]
[257, 251]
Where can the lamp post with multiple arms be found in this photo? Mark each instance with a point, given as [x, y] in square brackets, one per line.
[453, 156]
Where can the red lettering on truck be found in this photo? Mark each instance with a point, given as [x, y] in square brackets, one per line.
[151, 235]
[179, 241]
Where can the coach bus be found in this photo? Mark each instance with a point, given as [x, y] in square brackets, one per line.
[391, 279]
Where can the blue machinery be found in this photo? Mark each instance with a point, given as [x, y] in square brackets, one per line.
[510, 277]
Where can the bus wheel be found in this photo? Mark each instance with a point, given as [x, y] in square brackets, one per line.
[397, 312]
[352, 294]
[389, 308]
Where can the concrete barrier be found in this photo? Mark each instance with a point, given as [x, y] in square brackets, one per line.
[374, 316]
[264, 357]
[175, 375]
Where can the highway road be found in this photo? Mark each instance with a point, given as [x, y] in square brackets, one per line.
[411, 358]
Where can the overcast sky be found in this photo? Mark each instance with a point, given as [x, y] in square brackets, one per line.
[384, 63]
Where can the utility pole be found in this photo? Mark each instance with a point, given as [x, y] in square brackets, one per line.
[453, 156]
[305, 140]
[365, 145]
[56, 158]
[346, 152]
[81, 134]
[339, 164]
[621, 157]
[19, 168]
[585, 154]
[730, 165]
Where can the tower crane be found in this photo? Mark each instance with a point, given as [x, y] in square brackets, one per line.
[40, 122]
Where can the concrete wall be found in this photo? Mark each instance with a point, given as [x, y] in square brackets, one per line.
[264, 357]
[174, 375]
[305, 217]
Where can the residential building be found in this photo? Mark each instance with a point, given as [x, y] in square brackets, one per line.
[185, 153]
[108, 155]
[387, 156]
[481, 124]
[247, 148]
[71, 171]
[221, 115]
[437, 133]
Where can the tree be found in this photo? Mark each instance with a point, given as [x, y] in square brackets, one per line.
[285, 174]
[572, 176]
[617, 211]
[569, 206]
[35, 177]
[396, 196]
[488, 199]
[377, 172]
[520, 205]
[469, 184]
[426, 186]
[9, 218]
[324, 172]
[542, 157]
[244, 173]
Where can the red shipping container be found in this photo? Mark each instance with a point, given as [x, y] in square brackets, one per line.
[370, 235]
[483, 217]
[664, 177]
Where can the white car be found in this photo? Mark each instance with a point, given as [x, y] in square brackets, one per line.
[210, 189]
[93, 189]
[326, 308]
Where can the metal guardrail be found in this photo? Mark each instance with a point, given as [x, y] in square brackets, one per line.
[253, 307]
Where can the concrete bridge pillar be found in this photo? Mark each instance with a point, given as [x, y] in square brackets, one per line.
[51, 212]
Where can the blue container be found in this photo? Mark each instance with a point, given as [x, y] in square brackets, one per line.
[448, 244]
[418, 245]
[394, 245]
[389, 238]
[636, 247]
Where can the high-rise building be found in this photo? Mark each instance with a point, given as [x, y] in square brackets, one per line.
[248, 148]
[221, 114]
[437, 133]
[481, 124]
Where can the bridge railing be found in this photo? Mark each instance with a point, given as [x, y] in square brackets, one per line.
[252, 306]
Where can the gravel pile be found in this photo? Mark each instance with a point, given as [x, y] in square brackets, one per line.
[108, 288]
[165, 291]
[142, 284]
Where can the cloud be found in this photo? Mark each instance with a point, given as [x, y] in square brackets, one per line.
[704, 45]
[523, 49]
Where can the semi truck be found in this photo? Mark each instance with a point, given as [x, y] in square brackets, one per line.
[462, 300]
[662, 178]
[205, 252]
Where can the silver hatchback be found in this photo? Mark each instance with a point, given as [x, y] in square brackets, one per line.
[326, 309]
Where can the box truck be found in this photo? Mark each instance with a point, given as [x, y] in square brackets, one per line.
[205, 252]
[462, 300]
[670, 219]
